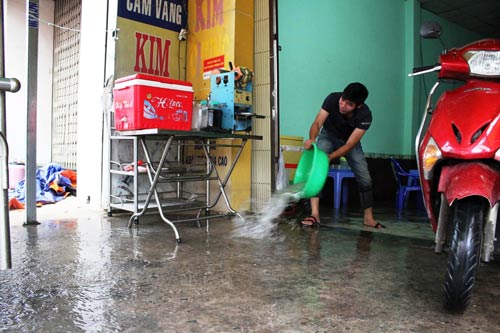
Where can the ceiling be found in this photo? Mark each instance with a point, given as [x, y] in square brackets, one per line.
[481, 16]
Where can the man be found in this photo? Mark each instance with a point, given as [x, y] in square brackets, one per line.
[338, 128]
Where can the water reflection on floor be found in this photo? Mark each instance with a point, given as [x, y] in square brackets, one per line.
[92, 273]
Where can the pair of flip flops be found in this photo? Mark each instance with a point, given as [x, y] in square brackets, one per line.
[310, 221]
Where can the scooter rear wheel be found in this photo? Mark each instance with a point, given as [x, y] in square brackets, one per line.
[465, 252]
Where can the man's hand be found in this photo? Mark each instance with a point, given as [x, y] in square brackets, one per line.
[308, 144]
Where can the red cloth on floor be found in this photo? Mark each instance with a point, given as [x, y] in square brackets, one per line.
[14, 203]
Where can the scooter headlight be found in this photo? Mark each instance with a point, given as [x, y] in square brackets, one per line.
[497, 155]
[483, 63]
[431, 155]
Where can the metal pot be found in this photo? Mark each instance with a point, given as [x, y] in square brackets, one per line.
[199, 116]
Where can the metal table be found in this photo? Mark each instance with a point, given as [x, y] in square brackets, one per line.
[155, 171]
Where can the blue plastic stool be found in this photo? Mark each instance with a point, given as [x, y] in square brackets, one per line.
[339, 191]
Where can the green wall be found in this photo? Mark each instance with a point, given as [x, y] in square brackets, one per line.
[326, 44]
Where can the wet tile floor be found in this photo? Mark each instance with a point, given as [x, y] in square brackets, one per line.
[80, 270]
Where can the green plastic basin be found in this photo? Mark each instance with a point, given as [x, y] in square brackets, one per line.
[312, 171]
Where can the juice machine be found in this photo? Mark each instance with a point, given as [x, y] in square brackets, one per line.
[234, 96]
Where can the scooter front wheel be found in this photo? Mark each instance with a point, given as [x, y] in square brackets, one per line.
[465, 252]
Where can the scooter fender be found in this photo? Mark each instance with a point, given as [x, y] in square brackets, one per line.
[468, 179]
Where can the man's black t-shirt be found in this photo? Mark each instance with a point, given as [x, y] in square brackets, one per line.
[340, 126]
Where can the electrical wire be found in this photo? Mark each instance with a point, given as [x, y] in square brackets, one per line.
[33, 17]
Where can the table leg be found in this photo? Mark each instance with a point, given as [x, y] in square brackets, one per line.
[222, 183]
[154, 181]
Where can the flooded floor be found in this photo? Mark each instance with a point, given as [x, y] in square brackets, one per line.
[80, 270]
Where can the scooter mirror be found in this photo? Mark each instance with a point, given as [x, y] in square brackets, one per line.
[430, 30]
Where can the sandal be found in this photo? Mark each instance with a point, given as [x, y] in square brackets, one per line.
[310, 221]
[376, 226]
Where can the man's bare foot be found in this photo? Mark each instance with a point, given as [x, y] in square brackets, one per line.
[311, 221]
[369, 220]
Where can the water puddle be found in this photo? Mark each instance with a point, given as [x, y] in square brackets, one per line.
[264, 224]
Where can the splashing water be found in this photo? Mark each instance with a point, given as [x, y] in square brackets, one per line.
[264, 224]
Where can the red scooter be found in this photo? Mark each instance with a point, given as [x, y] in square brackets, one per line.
[458, 158]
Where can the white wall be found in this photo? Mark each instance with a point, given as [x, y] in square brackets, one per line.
[16, 66]
[90, 108]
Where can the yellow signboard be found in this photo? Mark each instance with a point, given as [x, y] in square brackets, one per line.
[220, 31]
[148, 38]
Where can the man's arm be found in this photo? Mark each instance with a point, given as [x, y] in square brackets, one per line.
[316, 127]
[351, 142]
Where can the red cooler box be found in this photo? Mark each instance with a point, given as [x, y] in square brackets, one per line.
[144, 101]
